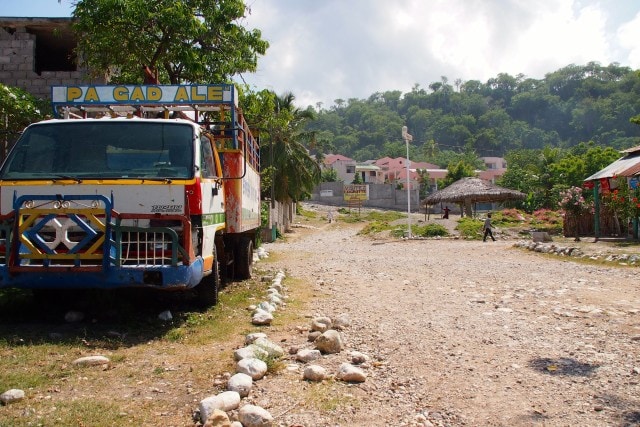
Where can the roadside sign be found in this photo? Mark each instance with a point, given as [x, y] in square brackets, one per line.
[356, 192]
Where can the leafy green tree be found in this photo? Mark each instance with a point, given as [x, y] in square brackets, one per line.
[446, 158]
[194, 41]
[329, 175]
[458, 171]
[18, 109]
[423, 181]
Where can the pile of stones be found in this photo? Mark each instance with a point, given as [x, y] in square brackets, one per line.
[549, 248]
[253, 360]
[572, 251]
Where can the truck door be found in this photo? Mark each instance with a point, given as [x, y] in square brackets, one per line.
[213, 217]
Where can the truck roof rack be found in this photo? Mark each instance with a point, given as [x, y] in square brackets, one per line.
[218, 102]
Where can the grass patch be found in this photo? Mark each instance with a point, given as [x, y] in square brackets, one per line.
[309, 215]
[326, 396]
[376, 227]
[540, 220]
[470, 228]
[80, 412]
[371, 215]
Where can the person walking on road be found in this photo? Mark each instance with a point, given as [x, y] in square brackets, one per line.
[487, 228]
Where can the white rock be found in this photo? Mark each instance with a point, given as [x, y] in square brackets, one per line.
[342, 321]
[250, 351]
[321, 324]
[266, 306]
[272, 349]
[329, 342]
[255, 416]
[275, 300]
[241, 383]
[255, 368]
[91, 361]
[261, 317]
[73, 316]
[225, 401]
[358, 358]
[307, 355]
[314, 373]
[12, 396]
[313, 335]
[250, 338]
[165, 315]
[218, 418]
[273, 291]
[349, 373]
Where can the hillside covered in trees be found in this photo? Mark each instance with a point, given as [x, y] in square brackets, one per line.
[573, 105]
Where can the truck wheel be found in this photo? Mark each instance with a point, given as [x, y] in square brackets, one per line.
[207, 289]
[244, 259]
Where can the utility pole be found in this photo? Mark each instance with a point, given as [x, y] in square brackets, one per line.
[408, 138]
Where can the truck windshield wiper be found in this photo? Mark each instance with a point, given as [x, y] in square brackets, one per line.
[165, 180]
[67, 177]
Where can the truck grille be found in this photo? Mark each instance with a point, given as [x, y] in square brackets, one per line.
[85, 236]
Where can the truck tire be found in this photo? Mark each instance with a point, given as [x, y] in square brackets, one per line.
[207, 289]
[244, 259]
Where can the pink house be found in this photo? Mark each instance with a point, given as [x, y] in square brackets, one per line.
[395, 170]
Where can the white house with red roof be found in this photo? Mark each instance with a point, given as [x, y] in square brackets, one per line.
[394, 170]
[347, 169]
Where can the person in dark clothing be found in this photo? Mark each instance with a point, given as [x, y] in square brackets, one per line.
[487, 228]
[446, 210]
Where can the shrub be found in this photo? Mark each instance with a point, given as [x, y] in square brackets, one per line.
[470, 228]
[431, 230]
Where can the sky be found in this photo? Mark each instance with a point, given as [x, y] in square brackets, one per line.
[323, 50]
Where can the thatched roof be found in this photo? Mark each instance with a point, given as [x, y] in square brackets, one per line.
[473, 190]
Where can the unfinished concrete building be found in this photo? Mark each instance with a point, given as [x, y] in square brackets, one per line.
[36, 53]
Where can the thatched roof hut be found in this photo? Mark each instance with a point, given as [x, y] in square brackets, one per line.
[471, 190]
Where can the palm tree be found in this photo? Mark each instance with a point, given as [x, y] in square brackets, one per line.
[294, 172]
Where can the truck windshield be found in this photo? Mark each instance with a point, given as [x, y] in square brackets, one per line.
[109, 149]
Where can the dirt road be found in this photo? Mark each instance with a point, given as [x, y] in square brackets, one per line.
[462, 333]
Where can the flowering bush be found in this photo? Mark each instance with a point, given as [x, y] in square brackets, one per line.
[624, 202]
[509, 215]
[547, 216]
[573, 202]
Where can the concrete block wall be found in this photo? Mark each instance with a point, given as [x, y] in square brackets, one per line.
[17, 66]
[383, 196]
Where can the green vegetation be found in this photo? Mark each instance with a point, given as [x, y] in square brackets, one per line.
[575, 104]
[470, 228]
[323, 396]
[195, 41]
[308, 215]
[353, 215]
[428, 230]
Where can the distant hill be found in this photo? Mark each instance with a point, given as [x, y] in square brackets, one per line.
[577, 103]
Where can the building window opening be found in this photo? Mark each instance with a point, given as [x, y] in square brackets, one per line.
[54, 50]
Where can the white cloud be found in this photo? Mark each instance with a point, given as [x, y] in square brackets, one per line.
[333, 49]
[629, 38]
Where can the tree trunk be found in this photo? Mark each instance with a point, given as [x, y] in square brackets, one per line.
[467, 208]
